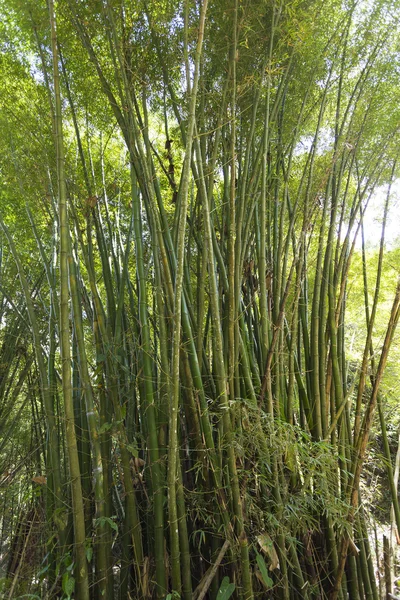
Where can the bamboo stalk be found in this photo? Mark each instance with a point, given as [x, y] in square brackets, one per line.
[76, 488]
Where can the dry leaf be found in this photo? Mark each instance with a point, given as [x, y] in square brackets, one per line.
[267, 547]
[137, 463]
[92, 201]
[40, 479]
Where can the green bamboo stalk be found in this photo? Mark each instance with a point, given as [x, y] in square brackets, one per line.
[149, 395]
[176, 339]
[103, 574]
[53, 444]
[221, 384]
[265, 330]
[231, 215]
[76, 489]
[370, 314]
[362, 440]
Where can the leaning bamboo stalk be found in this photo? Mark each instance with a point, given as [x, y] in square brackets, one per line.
[210, 576]
[394, 532]
[369, 318]
[362, 440]
[176, 339]
[46, 392]
[131, 523]
[370, 314]
[387, 567]
[21, 561]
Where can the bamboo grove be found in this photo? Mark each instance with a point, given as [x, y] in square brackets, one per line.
[183, 190]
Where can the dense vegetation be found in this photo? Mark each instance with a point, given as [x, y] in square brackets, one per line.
[196, 308]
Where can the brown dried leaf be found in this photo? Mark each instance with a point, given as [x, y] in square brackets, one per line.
[137, 463]
[40, 479]
[92, 201]
[267, 547]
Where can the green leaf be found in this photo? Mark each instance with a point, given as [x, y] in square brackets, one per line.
[133, 450]
[44, 570]
[68, 584]
[105, 427]
[264, 571]
[89, 553]
[68, 562]
[103, 520]
[60, 518]
[226, 589]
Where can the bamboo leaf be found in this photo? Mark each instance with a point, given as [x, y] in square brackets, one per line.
[132, 449]
[105, 427]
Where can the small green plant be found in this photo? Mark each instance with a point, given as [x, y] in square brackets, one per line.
[226, 589]
[264, 571]
[68, 585]
[172, 596]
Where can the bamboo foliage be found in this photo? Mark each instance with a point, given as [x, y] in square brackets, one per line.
[203, 419]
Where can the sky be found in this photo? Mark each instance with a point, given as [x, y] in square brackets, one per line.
[374, 214]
